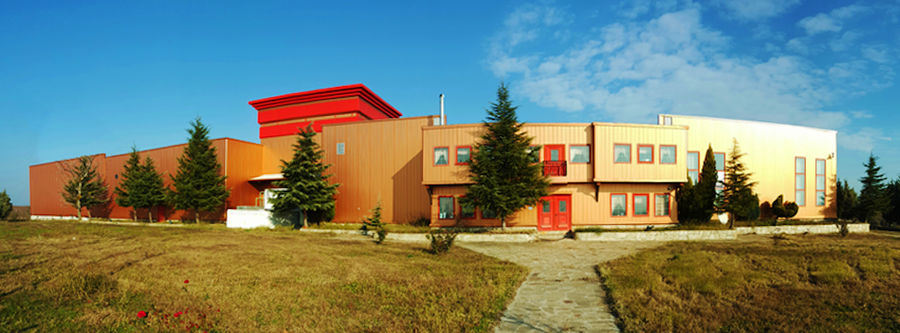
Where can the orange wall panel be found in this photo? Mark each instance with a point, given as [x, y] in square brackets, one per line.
[607, 135]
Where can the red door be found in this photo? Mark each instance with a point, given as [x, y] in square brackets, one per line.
[555, 213]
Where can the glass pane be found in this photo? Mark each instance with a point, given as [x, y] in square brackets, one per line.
[446, 206]
[720, 161]
[640, 205]
[440, 156]
[695, 176]
[546, 207]
[820, 167]
[645, 154]
[800, 197]
[580, 154]
[820, 198]
[618, 205]
[340, 148]
[662, 204]
[623, 153]
[554, 154]
[693, 161]
[488, 213]
[667, 155]
[800, 163]
[534, 154]
[466, 211]
[820, 182]
[462, 155]
[800, 182]
[562, 206]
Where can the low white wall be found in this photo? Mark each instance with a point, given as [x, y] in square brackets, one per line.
[673, 235]
[801, 229]
[249, 218]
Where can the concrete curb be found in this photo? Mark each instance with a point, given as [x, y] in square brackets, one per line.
[801, 229]
[703, 235]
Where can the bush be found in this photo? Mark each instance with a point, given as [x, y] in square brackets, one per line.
[784, 209]
[375, 224]
[6, 206]
[842, 227]
[441, 240]
[421, 222]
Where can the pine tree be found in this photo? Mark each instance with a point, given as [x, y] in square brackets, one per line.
[706, 187]
[5, 205]
[737, 197]
[306, 187]
[153, 193]
[198, 183]
[686, 197]
[129, 179]
[893, 210]
[501, 168]
[873, 202]
[846, 200]
[84, 189]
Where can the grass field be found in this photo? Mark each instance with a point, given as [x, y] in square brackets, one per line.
[68, 276]
[794, 284]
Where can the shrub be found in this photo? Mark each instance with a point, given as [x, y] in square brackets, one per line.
[421, 222]
[784, 209]
[441, 240]
[375, 224]
[6, 206]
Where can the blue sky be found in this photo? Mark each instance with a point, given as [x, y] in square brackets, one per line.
[81, 77]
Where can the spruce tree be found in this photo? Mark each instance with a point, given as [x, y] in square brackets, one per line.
[706, 187]
[306, 187]
[198, 183]
[872, 202]
[84, 189]
[737, 197]
[128, 182]
[151, 189]
[501, 168]
[846, 200]
[893, 209]
[5, 205]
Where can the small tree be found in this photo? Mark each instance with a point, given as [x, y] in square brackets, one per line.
[130, 178]
[737, 197]
[198, 183]
[152, 190]
[84, 189]
[502, 168]
[706, 186]
[846, 200]
[306, 187]
[375, 224]
[783, 209]
[5, 205]
[872, 202]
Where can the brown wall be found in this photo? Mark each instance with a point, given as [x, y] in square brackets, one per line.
[46, 183]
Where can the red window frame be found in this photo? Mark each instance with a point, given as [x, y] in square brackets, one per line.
[548, 149]
[675, 147]
[439, 207]
[634, 204]
[457, 155]
[572, 155]
[629, 153]
[668, 209]
[611, 195]
[719, 186]
[434, 160]
[824, 181]
[804, 180]
[698, 164]
[652, 154]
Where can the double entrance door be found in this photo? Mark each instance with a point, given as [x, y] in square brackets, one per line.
[554, 212]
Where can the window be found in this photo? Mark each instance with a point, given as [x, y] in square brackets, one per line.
[693, 166]
[622, 153]
[441, 156]
[645, 153]
[463, 155]
[580, 154]
[534, 154]
[800, 181]
[488, 213]
[447, 207]
[820, 182]
[667, 154]
[618, 204]
[662, 204]
[667, 120]
[340, 148]
[641, 204]
[466, 211]
[720, 170]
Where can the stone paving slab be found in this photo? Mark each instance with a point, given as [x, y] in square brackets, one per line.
[562, 292]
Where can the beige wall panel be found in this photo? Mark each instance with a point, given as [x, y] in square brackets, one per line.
[382, 161]
[769, 151]
[607, 135]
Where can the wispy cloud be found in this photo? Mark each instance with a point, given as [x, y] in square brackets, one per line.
[830, 22]
[863, 139]
[755, 10]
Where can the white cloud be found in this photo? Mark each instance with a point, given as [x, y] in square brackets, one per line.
[845, 41]
[877, 54]
[860, 114]
[830, 22]
[755, 10]
[863, 140]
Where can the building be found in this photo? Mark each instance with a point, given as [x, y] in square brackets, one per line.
[600, 173]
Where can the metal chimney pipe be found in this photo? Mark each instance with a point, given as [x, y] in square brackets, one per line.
[443, 118]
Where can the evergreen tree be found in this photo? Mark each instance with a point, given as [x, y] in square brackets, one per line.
[5, 205]
[686, 197]
[128, 182]
[198, 183]
[84, 189]
[893, 209]
[873, 202]
[152, 191]
[737, 197]
[706, 187]
[501, 168]
[306, 187]
[846, 200]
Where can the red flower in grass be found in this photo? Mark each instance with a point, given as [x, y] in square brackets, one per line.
[186, 281]
[176, 314]
[142, 314]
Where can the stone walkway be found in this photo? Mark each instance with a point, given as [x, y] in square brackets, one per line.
[562, 292]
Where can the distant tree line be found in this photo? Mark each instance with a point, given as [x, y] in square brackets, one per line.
[878, 201]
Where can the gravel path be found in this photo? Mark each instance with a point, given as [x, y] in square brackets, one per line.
[562, 292]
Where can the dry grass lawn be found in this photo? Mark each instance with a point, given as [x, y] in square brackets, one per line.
[68, 276]
[796, 284]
